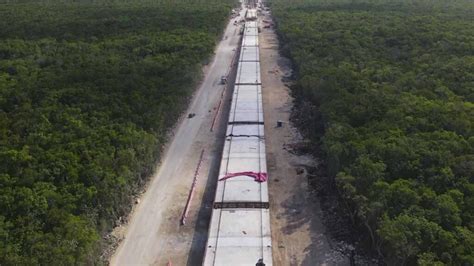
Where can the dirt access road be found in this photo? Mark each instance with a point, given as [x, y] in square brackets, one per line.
[153, 235]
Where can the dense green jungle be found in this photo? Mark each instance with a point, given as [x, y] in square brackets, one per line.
[386, 89]
[88, 92]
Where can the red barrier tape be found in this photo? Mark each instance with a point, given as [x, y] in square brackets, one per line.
[191, 192]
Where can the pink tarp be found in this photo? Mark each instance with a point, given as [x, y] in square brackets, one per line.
[258, 176]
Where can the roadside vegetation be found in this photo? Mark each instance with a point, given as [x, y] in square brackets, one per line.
[88, 92]
[386, 89]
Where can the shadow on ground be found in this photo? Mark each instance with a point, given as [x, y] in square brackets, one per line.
[201, 229]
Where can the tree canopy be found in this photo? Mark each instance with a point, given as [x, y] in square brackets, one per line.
[88, 91]
[392, 85]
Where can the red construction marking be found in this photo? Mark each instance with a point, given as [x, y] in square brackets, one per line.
[191, 192]
[223, 91]
[218, 109]
[258, 176]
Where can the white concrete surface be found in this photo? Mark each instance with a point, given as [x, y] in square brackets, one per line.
[248, 73]
[249, 53]
[250, 40]
[242, 236]
[239, 237]
[251, 31]
[243, 95]
[251, 24]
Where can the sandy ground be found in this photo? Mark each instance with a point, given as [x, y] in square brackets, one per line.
[298, 234]
[153, 235]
